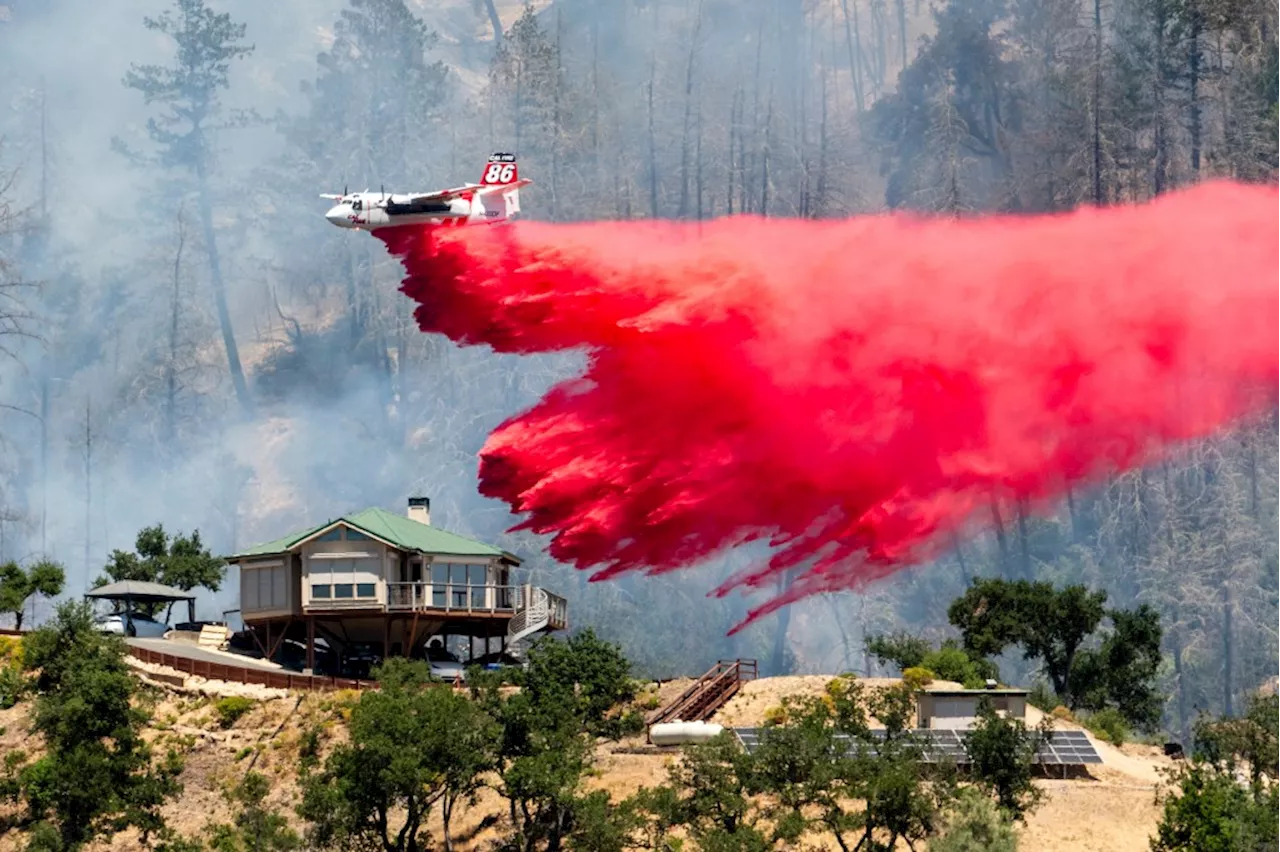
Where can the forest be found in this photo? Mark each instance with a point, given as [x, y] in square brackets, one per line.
[185, 340]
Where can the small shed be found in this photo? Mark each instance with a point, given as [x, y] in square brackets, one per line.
[141, 591]
[957, 709]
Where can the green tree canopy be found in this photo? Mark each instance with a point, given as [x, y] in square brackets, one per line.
[949, 661]
[17, 585]
[414, 745]
[1056, 627]
[585, 674]
[96, 775]
[181, 561]
[570, 694]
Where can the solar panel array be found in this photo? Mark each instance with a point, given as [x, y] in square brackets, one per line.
[1062, 748]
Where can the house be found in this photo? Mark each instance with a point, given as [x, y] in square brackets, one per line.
[957, 709]
[390, 581]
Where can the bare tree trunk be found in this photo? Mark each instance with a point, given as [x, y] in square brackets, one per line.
[1180, 677]
[1023, 539]
[882, 61]
[495, 22]
[697, 158]
[653, 146]
[88, 484]
[1071, 514]
[764, 159]
[735, 118]
[1194, 72]
[220, 297]
[958, 550]
[1097, 102]
[853, 40]
[171, 369]
[845, 643]
[1002, 540]
[688, 114]
[749, 164]
[902, 29]
[820, 193]
[1160, 175]
[1228, 652]
[595, 90]
[555, 127]
[779, 658]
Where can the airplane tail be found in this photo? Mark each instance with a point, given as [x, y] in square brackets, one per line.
[500, 170]
[502, 175]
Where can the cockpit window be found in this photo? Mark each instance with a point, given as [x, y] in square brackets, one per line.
[356, 205]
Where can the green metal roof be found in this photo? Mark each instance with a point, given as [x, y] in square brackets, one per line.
[398, 530]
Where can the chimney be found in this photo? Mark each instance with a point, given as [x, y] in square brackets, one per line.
[420, 510]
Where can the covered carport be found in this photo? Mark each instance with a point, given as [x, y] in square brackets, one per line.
[141, 591]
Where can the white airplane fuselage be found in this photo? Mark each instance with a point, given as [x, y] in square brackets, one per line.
[369, 211]
[495, 199]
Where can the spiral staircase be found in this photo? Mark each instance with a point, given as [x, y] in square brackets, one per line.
[538, 611]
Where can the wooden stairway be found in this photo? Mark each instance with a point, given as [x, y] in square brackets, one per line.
[708, 694]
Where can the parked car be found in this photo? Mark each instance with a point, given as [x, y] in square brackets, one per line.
[358, 661]
[445, 665]
[132, 624]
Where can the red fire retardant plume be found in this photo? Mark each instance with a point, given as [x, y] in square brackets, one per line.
[855, 392]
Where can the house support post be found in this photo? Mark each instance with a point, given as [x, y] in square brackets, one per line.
[279, 639]
[413, 636]
[311, 644]
[257, 640]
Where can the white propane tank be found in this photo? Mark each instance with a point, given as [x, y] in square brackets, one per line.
[678, 733]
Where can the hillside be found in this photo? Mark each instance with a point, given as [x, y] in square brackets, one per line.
[1111, 809]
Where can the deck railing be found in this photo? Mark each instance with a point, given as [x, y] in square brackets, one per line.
[455, 597]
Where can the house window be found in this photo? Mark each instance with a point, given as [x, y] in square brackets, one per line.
[355, 535]
[344, 579]
[334, 534]
[439, 579]
[457, 585]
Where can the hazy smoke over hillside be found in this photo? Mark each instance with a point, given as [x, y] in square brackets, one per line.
[354, 407]
[676, 109]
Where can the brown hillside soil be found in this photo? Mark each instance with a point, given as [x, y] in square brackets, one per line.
[1112, 808]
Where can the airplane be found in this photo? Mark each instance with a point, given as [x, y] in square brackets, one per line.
[496, 198]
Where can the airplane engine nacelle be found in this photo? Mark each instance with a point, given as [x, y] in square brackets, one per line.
[459, 207]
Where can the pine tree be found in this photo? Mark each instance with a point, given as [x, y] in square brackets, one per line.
[207, 43]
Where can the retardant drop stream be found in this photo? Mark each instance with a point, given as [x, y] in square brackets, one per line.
[855, 391]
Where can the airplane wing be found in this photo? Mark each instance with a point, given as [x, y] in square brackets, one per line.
[440, 195]
[506, 187]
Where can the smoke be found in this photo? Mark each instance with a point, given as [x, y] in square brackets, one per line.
[855, 392]
[87, 457]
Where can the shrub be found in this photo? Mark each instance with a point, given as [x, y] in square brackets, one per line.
[1042, 698]
[917, 678]
[976, 825]
[951, 662]
[12, 686]
[775, 716]
[231, 708]
[1109, 724]
[1062, 714]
